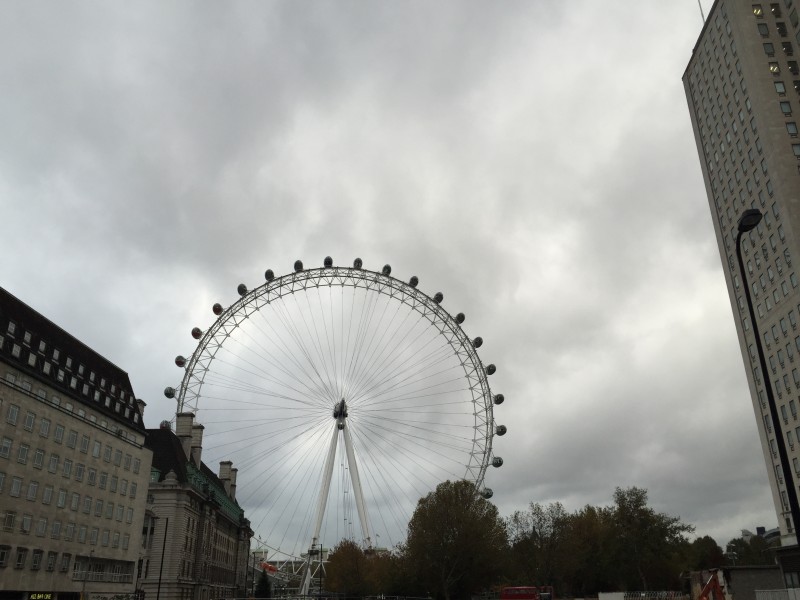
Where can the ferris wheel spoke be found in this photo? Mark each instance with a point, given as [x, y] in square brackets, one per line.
[264, 376]
[294, 333]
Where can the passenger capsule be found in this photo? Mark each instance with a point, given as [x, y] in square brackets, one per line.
[500, 430]
[180, 361]
[438, 297]
[498, 399]
[497, 462]
[491, 370]
[328, 262]
[169, 392]
[387, 270]
[242, 289]
[487, 493]
[460, 318]
[413, 281]
[197, 333]
[298, 266]
[269, 275]
[358, 263]
[217, 308]
[477, 342]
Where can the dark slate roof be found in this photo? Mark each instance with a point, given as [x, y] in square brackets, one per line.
[30, 329]
[168, 454]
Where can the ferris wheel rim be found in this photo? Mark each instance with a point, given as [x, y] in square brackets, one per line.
[228, 320]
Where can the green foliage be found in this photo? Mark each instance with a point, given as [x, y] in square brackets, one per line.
[628, 546]
[456, 542]
[704, 553]
[754, 552]
[263, 587]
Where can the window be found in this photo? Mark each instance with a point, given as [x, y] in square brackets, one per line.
[769, 50]
[8, 520]
[136, 463]
[47, 494]
[92, 475]
[103, 479]
[80, 469]
[55, 530]
[41, 527]
[59, 434]
[93, 536]
[786, 107]
[775, 69]
[120, 512]
[16, 487]
[781, 28]
[85, 444]
[105, 537]
[758, 11]
[67, 471]
[33, 490]
[65, 562]
[26, 523]
[62, 498]
[791, 128]
[44, 427]
[72, 438]
[75, 501]
[87, 504]
[13, 414]
[113, 486]
[115, 540]
[129, 517]
[5, 447]
[22, 454]
[133, 490]
[107, 454]
[796, 150]
[30, 421]
[22, 557]
[98, 508]
[96, 449]
[763, 30]
[53, 464]
[787, 48]
[82, 534]
[109, 510]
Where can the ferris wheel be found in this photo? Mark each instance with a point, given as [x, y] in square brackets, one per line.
[343, 396]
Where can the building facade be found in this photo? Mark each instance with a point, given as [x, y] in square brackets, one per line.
[73, 467]
[196, 539]
[743, 89]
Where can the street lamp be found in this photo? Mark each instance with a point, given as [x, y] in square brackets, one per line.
[163, 551]
[86, 575]
[748, 221]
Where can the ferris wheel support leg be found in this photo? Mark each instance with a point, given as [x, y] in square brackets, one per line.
[359, 494]
[321, 502]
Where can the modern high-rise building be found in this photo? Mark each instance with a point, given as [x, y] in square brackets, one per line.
[743, 88]
[74, 469]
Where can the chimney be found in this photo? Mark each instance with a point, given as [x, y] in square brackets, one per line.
[233, 484]
[225, 475]
[183, 429]
[197, 444]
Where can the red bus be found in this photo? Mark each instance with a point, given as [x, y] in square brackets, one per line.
[544, 592]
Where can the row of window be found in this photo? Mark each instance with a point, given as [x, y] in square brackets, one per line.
[128, 409]
[28, 524]
[55, 357]
[29, 423]
[32, 491]
[19, 559]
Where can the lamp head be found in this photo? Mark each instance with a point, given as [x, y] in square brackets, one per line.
[749, 219]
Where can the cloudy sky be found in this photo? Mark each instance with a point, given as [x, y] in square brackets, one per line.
[534, 161]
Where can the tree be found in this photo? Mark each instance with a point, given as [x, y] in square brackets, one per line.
[648, 543]
[704, 554]
[346, 569]
[537, 543]
[756, 551]
[263, 587]
[456, 541]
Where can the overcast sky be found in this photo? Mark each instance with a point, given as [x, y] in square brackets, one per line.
[534, 161]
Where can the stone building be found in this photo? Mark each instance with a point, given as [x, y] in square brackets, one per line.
[196, 538]
[73, 467]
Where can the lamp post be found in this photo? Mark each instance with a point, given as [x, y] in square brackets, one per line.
[86, 575]
[163, 551]
[748, 221]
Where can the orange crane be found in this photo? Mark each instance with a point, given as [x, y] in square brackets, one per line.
[713, 588]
